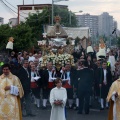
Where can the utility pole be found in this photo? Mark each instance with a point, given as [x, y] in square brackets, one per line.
[33, 2]
[23, 2]
[52, 11]
[70, 17]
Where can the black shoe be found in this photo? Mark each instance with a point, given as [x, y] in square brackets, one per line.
[107, 108]
[70, 107]
[86, 112]
[25, 115]
[101, 108]
[90, 106]
[76, 108]
[79, 112]
[44, 107]
[31, 115]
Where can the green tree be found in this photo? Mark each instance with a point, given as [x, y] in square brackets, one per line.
[27, 34]
[118, 42]
[5, 33]
[37, 21]
[23, 37]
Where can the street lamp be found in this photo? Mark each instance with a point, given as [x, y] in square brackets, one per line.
[71, 15]
[53, 8]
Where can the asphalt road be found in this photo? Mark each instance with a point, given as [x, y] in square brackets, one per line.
[95, 114]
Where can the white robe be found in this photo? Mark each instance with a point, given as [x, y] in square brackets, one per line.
[112, 62]
[58, 112]
[9, 45]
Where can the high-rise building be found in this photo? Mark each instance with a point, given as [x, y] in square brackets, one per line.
[1, 20]
[115, 25]
[105, 24]
[91, 21]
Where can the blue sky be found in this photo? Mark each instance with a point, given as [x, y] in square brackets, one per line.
[94, 7]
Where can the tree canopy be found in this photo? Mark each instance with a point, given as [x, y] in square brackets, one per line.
[28, 33]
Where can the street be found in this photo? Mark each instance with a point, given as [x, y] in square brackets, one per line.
[71, 115]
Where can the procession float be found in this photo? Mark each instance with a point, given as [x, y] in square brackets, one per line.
[59, 43]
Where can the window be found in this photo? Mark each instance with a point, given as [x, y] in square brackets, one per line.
[38, 8]
[25, 8]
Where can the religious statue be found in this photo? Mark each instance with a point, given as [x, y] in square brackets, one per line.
[102, 49]
[89, 48]
[10, 43]
[102, 44]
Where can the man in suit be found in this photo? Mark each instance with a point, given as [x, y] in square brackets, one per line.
[48, 78]
[68, 77]
[35, 84]
[24, 74]
[105, 81]
[96, 80]
[85, 79]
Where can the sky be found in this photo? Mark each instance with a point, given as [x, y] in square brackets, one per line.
[94, 7]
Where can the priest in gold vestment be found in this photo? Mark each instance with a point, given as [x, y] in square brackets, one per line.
[10, 93]
[114, 99]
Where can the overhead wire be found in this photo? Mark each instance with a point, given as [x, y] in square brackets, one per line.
[14, 6]
[6, 8]
[11, 8]
[17, 13]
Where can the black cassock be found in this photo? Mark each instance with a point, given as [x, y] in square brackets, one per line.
[85, 78]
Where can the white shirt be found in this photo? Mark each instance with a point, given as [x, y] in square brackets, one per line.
[50, 76]
[40, 59]
[31, 58]
[68, 77]
[26, 71]
[105, 75]
[32, 76]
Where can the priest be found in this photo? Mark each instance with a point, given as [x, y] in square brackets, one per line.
[10, 93]
[114, 99]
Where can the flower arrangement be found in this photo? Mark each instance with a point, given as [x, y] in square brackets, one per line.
[60, 59]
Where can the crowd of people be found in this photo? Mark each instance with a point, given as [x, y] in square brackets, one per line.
[89, 78]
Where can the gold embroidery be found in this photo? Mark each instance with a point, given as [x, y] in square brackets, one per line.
[8, 105]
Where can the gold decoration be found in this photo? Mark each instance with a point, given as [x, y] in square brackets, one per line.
[102, 44]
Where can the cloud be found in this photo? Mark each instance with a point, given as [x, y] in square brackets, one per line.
[104, 1]
[87, 6]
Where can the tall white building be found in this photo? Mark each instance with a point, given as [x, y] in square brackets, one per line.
[91, 21]
[105, 24]
[1, 20]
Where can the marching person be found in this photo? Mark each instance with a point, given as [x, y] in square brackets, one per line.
[67, 75]
[35, 86]
[58, 97]
[114, 99]
[96, 80]
[24, 74]
[85, 79]
[48, 78]
[105, 81]
[10, 93]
